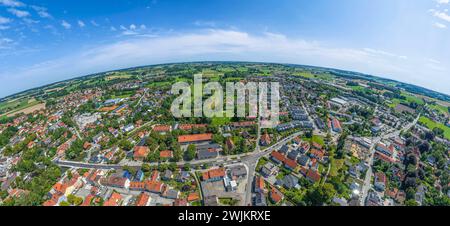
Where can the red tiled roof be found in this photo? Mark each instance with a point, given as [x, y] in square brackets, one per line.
[260, 182]
[155, 175]
[137, 185]
[87, 200]
[290, 163]
[166, 154]
[60, 188]
[180, 202]
[154, 186]
[193, 197]
[191, 126]
[142, 199]
[278, 156]
[275, 195]
[214, 173]
[243, 124]
[161, 128]
[318, 153]
[194, 138]
[265, 138]
[114, 200]
[313, 175]
[141, 151]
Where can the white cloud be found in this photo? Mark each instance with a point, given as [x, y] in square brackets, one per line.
[5, 43]
[30, 21]
[384, 53]
[3, 27]
[19, 13]
[441, 15]
[439, 25]
[94, 23]
[212, 45]
[81, 24]
[42, 11]
[132, 27]
[65, 24]
[113, 28]
[4, 20]
[442, 1]
[11, 3]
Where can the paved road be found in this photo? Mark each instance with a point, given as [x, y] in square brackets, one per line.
[250, 160]
[367, 185]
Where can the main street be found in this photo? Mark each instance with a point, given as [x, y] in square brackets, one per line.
[249, 159]
[367, 180]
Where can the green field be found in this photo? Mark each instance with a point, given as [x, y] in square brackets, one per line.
[411, 98]
[216, 121]
[336, 165]
[440, 108]
[357, 88]
[315, 138]
[11, 105]
[326, 77]
[158, 84]
[430, 124]
[17, 105]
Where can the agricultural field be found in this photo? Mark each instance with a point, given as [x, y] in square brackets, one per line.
[14, 107]
[430, 124]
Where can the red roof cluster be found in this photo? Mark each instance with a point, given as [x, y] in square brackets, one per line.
[161, 128]
[191, 126]
[141, 152]
[287, 162]
[313, 175]
[243, 124]
[166, 154]
[214, 173]
[275, 195]
[195, 138]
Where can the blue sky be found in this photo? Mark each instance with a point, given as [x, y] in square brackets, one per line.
[51, 40]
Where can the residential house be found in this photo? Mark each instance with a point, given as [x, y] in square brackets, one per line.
[290, 182]
[189, 139]
[213, 175]
[380, 181]
[140, 153]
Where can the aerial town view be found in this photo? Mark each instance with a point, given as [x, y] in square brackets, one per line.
[110, 137]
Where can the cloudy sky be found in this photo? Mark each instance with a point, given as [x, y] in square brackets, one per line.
[51, 40]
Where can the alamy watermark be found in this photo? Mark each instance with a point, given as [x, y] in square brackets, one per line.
[240, 98]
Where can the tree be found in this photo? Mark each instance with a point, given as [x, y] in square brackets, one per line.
[146, 167]
[125, 145]
[187, 167]
[320, 195]
[74, 200]
[424, 147]
[429, 136]
[411, 202]
[190, 153]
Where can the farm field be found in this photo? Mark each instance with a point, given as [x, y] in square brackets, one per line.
[430, 124]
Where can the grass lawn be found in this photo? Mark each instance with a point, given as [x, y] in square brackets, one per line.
[440, 108]
[158, 84]
[411, 98]
[304, 74]
[228, 201]
[11, 105]
[357, 88]
[336, 165]
[430, 124]
[315, 138]
[216, 121]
